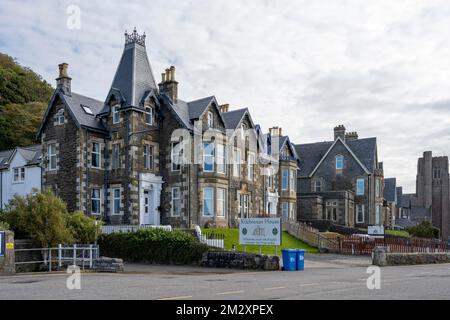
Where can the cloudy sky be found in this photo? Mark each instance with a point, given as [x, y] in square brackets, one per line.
[381, 68]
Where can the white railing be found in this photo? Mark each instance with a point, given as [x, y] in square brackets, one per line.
[108, 229]
[211, 239]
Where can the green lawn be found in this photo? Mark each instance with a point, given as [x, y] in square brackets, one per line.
[398, 233]
[287, 242]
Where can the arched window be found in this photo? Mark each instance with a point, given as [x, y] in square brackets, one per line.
[339, 162]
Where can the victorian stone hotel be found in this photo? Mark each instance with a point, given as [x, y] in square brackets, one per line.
[144, 156]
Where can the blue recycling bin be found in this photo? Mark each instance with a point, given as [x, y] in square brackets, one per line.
[289, 259]
[300, 259]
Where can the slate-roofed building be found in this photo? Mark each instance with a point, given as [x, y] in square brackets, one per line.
[145, 156]
[341, 180]
[390, 202]
[20, 172]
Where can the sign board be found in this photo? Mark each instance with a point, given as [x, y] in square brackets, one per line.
[2, 243]
[260, 231]
[375, 231]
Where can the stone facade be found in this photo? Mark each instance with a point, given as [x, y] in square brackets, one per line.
[433, 192]
[346, 175]
[144, 156]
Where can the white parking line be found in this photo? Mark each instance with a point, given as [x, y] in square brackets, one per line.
[230, 292]
[176, 298]
[274, 288]
[309, 284]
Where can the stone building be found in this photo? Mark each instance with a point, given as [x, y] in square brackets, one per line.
[341, 181]
[390, 208]
[145, 156]
[432, 198]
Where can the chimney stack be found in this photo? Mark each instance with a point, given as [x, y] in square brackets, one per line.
[168, 84]
[339, 132]
[275, 131]
[224, 108]
[63, 82]
[351, 136]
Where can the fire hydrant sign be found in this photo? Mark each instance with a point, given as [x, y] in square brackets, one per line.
[260, 231]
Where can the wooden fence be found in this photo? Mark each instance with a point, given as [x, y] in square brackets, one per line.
[360, 245]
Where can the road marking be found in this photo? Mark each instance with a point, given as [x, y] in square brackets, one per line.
[177, 298]
[230, 292]
[274, 288]
[309, 284]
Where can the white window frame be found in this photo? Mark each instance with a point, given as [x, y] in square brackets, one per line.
[99, 200]
[115, 161]
[116, 210]
[285, 209]
[292, 182]
[291, 211]
[149, 115]
[362, 206]
[221, 158]
[148, 152]
[211, 199]
[210, 119]
[97, 154]
[175, 164]
[208, 156]
[284, 179]
[173, 199]
[52, 155]
[221, 201]
[377, 187]
[317, 185]
[360, 181]
[251, 167]
[60, 116]
[237, 163]
[20, 175]
[339, 162]
[116, 114]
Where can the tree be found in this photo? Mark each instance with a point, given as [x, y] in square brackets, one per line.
[424, 230]
[83, 228]
[40, 216]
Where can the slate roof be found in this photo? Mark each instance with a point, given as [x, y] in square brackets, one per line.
[390, 189]
[32, 155]
[399, 191]
[420, 213]
[197, 107]
[406, 200]
[404, 223]
[233, 118]
[5, 158]
[134, 74]
[310, 154]
[74, 103]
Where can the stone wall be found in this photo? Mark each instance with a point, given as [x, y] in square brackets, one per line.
[240, 260]
[383, 258]
[7, 262]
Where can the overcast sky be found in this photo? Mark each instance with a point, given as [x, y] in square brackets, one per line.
[381, 68]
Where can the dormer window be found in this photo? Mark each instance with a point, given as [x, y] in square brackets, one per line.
[60, 117]
[149, 115]
[339, 162]
[210, 120]
[115, 114]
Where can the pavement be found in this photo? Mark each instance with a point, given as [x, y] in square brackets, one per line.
[325, 277]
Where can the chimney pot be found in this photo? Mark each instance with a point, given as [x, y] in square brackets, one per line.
[224, 108]
[339, 131]
[63, 81]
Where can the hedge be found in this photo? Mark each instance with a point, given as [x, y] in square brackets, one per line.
[153, 246]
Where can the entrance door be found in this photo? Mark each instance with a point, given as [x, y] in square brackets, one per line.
[149, 210]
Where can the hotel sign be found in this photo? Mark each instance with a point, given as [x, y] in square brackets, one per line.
[260, 231]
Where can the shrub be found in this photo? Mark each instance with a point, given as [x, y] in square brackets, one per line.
[153, 246]
[4, 226]
[84, 229]
[40, 216]
[424, 230]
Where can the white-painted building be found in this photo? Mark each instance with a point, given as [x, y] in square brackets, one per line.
[20, 172]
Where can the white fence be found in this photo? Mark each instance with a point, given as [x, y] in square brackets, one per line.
[216, 240]
[108, 229]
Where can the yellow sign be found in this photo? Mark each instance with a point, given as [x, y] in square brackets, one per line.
[10, 246]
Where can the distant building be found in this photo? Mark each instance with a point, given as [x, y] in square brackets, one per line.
[390, 204]
[341, 180]
[20, 172]
[432, 198]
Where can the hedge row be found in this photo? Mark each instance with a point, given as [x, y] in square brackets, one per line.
[153, 246]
